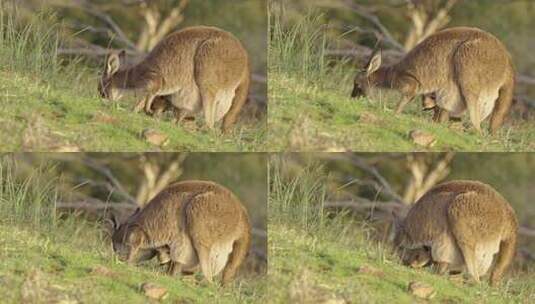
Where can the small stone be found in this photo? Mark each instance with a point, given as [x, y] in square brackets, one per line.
[155, 137]
[65, 149]
[369, 118]
[335, 301]
[422, 290]
[371, 270]
[422, 138]
[105, 118]
[103, 271]
[154, 291]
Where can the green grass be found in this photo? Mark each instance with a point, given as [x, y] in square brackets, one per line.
[50, 104]
[317, 255]
[43, 264]
[311, 110]
[48, 257]
[306, 117]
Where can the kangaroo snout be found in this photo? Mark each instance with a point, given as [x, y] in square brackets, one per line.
[357, 91]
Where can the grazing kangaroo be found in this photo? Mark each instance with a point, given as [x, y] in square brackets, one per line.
[466, 68]
[192, 223]
[202, 69]
[464, 224]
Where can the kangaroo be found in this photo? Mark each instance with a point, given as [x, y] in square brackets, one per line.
[193, 223]
[464, 224]
[466, 68]
[201, 69]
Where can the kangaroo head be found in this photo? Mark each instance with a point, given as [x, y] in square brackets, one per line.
[126, 237]
[371, 76]
[410, 256]
[106, 87]
[418, 257]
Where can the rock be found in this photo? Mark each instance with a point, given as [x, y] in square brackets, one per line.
[335, 301]
[422, 138]
[105, 118]
[371, 270]
[155, 137]
[369, 118]
[303, 289]
[65, 149]
[154, 291]
[422, 290]
[103, 271]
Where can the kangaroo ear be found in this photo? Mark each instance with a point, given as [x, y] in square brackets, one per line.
[113, 222]
[113, 62]
[375, 62]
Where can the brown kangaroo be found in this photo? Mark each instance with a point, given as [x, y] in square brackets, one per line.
[191, 223]
[466, 68]
[464, 224]
[202, 69]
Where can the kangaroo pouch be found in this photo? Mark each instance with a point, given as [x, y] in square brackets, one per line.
[450, 99]
[485, 251]
[185, 253]
[187, 99]
[445, 249]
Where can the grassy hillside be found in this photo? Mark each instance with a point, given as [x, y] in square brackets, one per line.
[50, 104]
[310, 108]
[308, 117]
[316, 257]
[48, 257]
[42, 268]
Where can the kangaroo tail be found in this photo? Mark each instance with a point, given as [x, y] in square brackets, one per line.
[239, 252]
[240, 98]
[503, 104]
[504, 259]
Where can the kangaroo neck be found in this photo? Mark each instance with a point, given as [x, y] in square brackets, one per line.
[395, 74]
[386, 76]
[130, 78]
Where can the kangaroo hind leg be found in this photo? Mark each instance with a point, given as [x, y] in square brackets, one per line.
[217, 70]
[212, 261]
[474, 78]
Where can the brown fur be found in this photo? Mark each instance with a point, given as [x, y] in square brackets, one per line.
[464, 223]
[200, 69]
[200, 224]
[467, 69]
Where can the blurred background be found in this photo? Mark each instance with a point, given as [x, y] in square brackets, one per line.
[365, 188]
[36, 188]
[346, 32]
[90, 29]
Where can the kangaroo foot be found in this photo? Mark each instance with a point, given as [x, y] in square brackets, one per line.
[139, 106]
